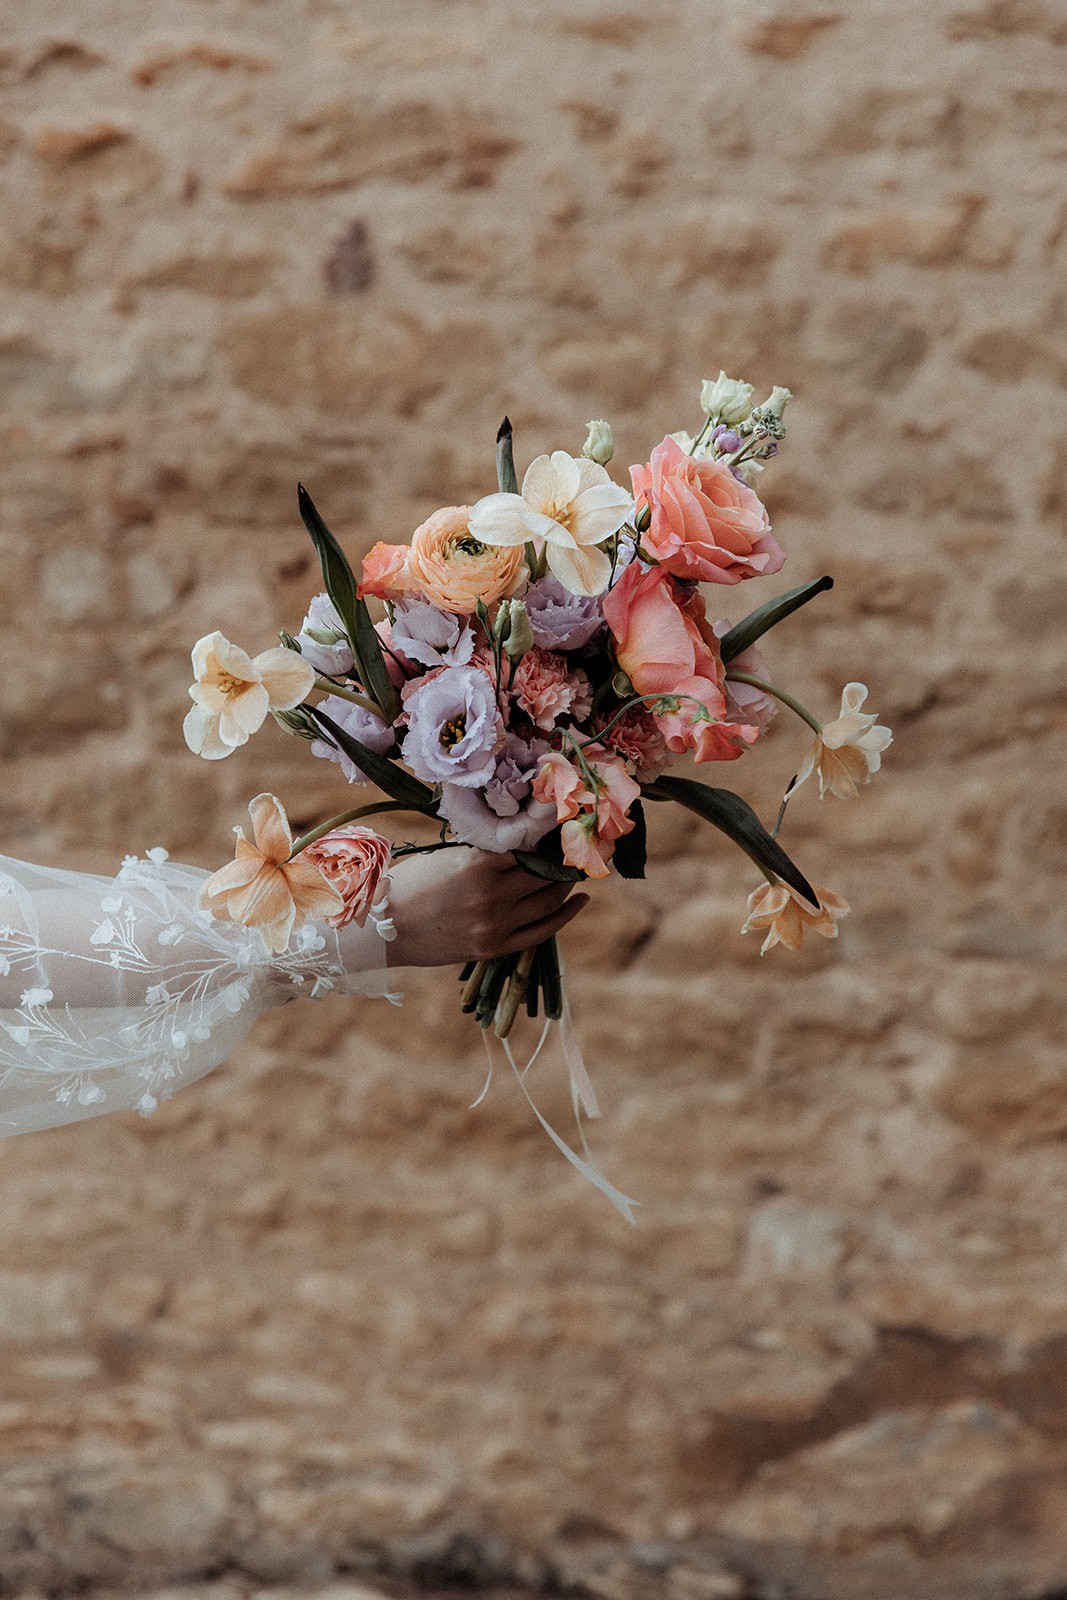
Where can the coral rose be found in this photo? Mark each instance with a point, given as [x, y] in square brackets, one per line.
[385, 572]
[449, 566]
[666, 646]
[705, 526]
[354, 860]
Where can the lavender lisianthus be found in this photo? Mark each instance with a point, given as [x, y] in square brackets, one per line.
[561, 620]
[454, 728]
[503, 815]
[322, 640]
[423, 632]
[371, 730]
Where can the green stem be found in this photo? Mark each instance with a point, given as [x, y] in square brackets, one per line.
[779, 694]
[339, 822]
[329, 687]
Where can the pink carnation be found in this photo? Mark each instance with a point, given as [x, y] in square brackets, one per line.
[548, 689]
[354, 861]
[637, 738]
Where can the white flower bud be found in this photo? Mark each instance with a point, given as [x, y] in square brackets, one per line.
[600, 444]
[726, 400]
[768, 416]
[519, 637]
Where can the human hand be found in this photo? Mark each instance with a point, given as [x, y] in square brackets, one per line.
[456, 905]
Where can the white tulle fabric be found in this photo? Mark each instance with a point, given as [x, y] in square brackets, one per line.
[114, 992]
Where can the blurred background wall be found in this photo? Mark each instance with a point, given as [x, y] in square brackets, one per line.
[317, 1314]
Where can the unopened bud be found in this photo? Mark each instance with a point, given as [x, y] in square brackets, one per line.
[600, 444]
[726, 399]
[519, 637]
[767, 418]
[296, 722]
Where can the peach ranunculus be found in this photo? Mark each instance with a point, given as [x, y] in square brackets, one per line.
[848, 749]
[262, 888]
[234, 692]
[355, 861]
[568, 507]
[705, 526]
[780, 910]
[666, 646]
[451, 567]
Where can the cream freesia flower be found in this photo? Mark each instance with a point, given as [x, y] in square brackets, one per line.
[568, 502]
[780, 910]
[848, 749]
[233, 693]
[261, 888]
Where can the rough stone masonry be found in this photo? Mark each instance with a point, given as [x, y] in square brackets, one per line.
[317, 1316]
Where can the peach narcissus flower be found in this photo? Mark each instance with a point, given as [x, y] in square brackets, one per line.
[785, 916]
[571, 505]
[848, 749]
[234, 692]
[262, 888]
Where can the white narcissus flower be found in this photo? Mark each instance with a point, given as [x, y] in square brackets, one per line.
[848, 749]
[233, 693]
[569, 503]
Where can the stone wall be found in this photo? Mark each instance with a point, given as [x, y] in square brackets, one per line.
[317, 1314]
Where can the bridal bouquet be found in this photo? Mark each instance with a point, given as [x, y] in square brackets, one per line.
[531, 669]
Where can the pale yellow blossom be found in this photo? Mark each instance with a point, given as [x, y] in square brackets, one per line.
[848, 749]
[234, 692]
[780, 910]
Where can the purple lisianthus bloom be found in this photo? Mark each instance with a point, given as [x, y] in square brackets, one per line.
[503, 815]
[371, 730]
[434, 638]
[454, 728]
[561, 620]
[322, 640]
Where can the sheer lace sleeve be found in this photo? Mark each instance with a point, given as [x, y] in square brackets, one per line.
[116, 992]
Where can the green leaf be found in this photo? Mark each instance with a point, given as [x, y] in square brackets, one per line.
[738, 821]
[547, 860]
[631, 851]
[750, 628]
[507, 482]
[341, 587]
[388, 775]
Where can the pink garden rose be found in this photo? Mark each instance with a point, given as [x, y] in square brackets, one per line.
[354, 861]
[706, 526]
[666, 646]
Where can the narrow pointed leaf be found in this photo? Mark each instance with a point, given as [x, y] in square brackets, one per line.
[341, 587]
[547, 860]
[738, 821]
[390, 777]
[507, 482]
[750, 628]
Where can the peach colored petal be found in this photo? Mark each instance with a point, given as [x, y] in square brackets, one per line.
[286, 677]
[311, 893]
[201, 729]
[270, 828]
[243, 713]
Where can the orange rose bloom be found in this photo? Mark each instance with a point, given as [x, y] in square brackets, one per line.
[447, 565]
[705, 525]
[665, 645]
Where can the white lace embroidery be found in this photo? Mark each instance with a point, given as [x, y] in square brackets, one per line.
[113, 993]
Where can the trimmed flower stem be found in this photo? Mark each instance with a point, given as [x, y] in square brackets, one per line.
[329, 687]
[339, 822]
[779, 694]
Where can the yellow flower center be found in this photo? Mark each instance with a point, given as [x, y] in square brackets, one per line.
[229, 685]
[453, 732]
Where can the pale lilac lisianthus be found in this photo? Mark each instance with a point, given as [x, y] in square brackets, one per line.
[561, 620]
[504, 815]
[363, 725]
[424, 633]
[334, 658]
[454, 728]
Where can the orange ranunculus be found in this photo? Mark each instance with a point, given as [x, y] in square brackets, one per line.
[705, 525]
[785, 916]
[666, 646]
[450, 567]
[385, 572]
[261, 888]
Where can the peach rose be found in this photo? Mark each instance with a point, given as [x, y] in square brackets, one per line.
[666, 646]
[354, 861]
[385, 572]
[450, 567]
[705, 525]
